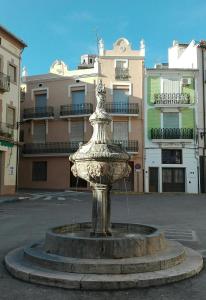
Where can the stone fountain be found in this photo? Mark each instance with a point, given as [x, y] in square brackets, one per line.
[99, 254]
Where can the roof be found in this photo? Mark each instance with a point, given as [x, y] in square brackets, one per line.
[23, 44]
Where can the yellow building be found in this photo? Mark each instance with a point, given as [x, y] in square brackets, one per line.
[56, 112]
[11, 49]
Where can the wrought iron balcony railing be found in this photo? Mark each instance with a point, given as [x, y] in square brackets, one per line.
[122, 73]
[172, 98]
[38, 112]
[122, 108]
[172, 133]
[4, 82]
[52, 147]
[76, 109]
[128, 145]
[6, 131]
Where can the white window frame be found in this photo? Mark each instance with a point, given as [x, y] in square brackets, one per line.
[128, 85]
[178, 78]
[46, 89]
[77, 85]
[124, 60]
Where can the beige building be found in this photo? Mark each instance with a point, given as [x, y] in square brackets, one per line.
[11, 49]
[56, 112]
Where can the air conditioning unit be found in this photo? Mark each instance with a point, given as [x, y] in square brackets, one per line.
[186, 81]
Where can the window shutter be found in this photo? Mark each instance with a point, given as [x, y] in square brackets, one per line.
[171, 86]
[77, 131]
[78, 97]
[121, 96]
[41, 100]
[120, 131]
[170, 120]
[39, 133]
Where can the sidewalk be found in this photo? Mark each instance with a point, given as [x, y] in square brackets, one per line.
[13, 198]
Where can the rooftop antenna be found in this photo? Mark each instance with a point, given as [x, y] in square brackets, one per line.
[97, 39]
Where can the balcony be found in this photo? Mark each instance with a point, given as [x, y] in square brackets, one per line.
[38, 113]
[6, 132]
[4, 83]
[76, 109]
[128, 146]
[50, 148]
[121, 73]
[122, 108]
[172, 133]
[172, 99]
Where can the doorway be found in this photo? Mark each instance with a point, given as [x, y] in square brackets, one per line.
[173, 179]
[153, 179]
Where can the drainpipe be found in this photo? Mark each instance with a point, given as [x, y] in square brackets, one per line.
[203, 47]
[18, 122]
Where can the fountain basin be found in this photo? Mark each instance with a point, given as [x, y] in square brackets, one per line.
[127, 240]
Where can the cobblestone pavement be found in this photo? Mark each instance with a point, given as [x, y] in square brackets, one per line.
[182, 217]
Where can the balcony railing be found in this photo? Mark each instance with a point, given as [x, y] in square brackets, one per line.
[122, 73]
[172, 98]
[122, 108]
[128, 145]
[4, 82]
[76, 109]
[6, 131]
[172, 133]
[52, 147]
[38, 112]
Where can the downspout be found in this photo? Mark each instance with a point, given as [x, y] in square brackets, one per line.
[203, 106]
[18, 122]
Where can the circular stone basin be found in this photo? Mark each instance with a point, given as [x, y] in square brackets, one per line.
[127, 240]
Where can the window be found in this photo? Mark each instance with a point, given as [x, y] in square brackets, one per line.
[121, 96]
[10, 118]
[120, 131]
[1, 64]
[170, 120]
[39, 171]
[171, 86]
[41, 100]
[77, 131]
[39, 135]
[171, 156]
[12, 73]
[21, 136]
[78, 97]
[121, 64]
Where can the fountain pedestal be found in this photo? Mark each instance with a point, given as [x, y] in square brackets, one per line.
[101, 207]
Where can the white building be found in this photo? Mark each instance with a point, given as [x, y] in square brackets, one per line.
[193, 55]
[171, 158]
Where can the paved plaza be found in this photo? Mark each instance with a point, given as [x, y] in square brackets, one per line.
[181, 216]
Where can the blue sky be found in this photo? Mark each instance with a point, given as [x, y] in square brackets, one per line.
[65, 29]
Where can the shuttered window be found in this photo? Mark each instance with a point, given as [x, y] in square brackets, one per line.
[121, 96]
[77, 131]
[78, 97]
[171, 120]
[171, 86]
[121, 64]
[41, 100]
[10, 118]
[12, 73]
[39, 133]
[120, 131]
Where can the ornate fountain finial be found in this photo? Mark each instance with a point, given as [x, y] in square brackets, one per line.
[100, 95]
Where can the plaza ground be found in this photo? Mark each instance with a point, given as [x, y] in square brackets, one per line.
[181, 216]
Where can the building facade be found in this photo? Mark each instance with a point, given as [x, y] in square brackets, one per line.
[56, 109]
[171, 152]
[11, 49]
[193, 56]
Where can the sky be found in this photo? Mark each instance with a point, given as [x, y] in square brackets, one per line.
[66, 29]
